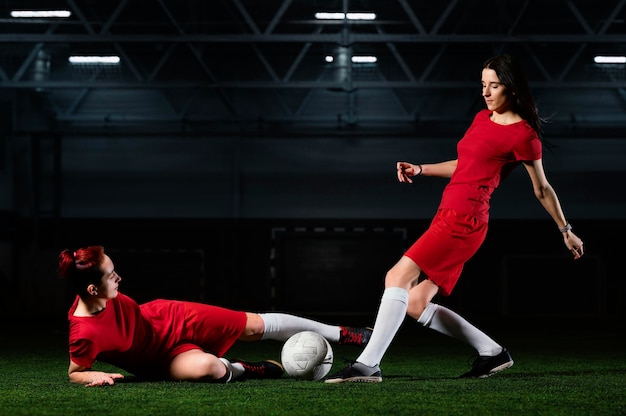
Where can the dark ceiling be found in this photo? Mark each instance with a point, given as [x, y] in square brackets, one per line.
[258, 67]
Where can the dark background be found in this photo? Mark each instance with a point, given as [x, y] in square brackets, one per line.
[225, 161]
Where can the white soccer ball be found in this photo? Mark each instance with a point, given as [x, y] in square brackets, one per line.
[307, 356]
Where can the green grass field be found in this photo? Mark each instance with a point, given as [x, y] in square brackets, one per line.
[556, 372]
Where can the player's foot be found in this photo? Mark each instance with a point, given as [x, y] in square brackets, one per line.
[262, 369]
[354, 336]
[356, 372]
[485, 366]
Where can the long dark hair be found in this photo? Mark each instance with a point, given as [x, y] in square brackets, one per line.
[82, 267]
[511, 74]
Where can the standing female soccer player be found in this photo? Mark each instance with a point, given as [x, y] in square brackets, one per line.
[501, 137]
[166, 339]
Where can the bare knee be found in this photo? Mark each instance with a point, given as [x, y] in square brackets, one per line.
[255, 327]
[209, 367]
[213, 368]
[197, 365]
[405, 274]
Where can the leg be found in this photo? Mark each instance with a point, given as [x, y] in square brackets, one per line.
[392, 310]
[492, 356]
[281, 326]
[197, 365]
[447, 322]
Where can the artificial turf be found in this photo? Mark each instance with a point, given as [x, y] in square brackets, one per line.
[565, 372]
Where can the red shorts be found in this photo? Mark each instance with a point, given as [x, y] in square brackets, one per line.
[189, 325]
[450, 241]
[212, 328]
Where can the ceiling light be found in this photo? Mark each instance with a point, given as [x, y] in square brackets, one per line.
[41, 13]
[105, 60]
[329, 16]
[361, 16]
[342, 16]
[600, 59]
[363, 59]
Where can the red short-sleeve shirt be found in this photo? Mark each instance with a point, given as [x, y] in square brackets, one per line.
[486, 154]
[143, 339]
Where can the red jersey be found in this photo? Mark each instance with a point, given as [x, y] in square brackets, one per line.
[143, 339]
[487, 152]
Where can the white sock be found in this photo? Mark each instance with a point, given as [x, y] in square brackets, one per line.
[233, 371]
[447, 322]
[391, 313]
[280, 326]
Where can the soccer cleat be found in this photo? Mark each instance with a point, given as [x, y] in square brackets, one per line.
[356, 373]
[262, 369]
[485, 366]
[354, 336]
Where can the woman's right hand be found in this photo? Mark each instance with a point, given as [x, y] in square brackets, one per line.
[406, 170]
[103, 379]
[82, 375]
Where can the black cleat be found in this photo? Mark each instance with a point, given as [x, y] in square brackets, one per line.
[356, 373]
[354, 336]
[262, 369]
[485, 366]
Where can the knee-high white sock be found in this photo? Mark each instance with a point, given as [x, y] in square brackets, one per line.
[391, 313]
[447, 322]
[280, 326]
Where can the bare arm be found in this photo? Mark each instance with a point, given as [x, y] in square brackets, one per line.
[83, 375]
[442, 170]
[548, 199]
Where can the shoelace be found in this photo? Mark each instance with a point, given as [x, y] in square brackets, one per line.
[351, 337]
[255, 368]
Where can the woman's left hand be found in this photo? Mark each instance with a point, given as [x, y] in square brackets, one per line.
[574, 244]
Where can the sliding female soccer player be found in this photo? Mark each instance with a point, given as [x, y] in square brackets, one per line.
[167, 339]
